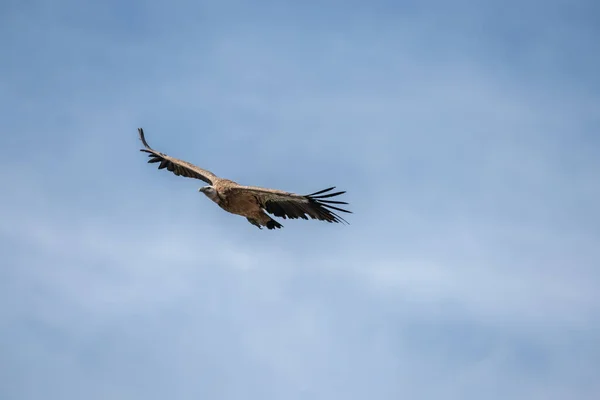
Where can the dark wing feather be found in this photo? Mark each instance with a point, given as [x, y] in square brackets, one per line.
[178, 167]
[291, 205]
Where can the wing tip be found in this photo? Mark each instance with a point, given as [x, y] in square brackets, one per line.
[327, 212]
[322, 191]
[143, 139]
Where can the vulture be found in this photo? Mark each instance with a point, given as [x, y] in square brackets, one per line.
[253, 202]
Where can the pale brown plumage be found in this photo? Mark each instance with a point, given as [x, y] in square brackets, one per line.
[252, 201]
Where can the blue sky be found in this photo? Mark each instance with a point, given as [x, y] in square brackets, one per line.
[467, 137]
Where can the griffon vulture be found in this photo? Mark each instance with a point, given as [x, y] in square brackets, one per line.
[251, 201]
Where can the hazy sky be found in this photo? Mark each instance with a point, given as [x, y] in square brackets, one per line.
[466, 135]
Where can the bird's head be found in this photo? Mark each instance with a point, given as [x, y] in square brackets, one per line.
[209, 192]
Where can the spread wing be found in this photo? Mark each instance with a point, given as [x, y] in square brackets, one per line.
[178, 167]
[291, 205]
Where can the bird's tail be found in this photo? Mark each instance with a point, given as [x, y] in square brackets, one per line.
[272, 224]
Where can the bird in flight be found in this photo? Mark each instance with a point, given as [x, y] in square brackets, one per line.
[252, 201]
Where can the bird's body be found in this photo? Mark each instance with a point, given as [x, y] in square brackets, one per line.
[239, 203]
[252, 201]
